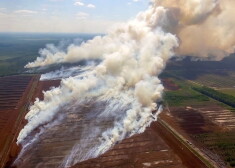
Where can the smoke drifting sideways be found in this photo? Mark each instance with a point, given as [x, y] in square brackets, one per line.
[205, 27]
[132, 55]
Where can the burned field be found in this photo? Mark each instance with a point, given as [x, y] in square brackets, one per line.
[15, 95]
[145, 150]
[205, 125]
[156, 147]
[106, 112]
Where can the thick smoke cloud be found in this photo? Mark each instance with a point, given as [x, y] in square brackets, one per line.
[205, 27]
[132, 56]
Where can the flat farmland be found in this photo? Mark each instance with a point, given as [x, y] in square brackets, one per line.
[156, 147]
[148, 149]
[184, 95]
[15, 94]
[198, 119]
[208, 124]
[44, 86]
[217, 81]
[143, 150]
[230, 91]
[222, 143]
[190, 123]
[219, 115]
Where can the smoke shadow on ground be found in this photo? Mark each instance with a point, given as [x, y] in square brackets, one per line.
[191, 121]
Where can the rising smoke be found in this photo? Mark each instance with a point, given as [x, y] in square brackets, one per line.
[132, 56]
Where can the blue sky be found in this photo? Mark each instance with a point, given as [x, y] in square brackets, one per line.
[85, 16]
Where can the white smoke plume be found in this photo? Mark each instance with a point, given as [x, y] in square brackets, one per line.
[205, 27]
[132, 56]
[66, 72]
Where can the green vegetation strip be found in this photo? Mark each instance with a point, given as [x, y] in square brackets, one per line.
[224, 98]
[183, 141]
[184, 95]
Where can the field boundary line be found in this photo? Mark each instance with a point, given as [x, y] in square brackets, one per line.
[185, 142]
[22, 113]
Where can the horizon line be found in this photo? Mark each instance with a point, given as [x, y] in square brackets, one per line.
[1, 32]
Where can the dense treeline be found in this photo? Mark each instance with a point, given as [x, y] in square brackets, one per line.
[224, 98]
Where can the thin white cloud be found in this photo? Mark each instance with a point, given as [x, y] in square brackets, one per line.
[25, 12]
[3, 15]
[55, 0]
[12, 22]
[78, 3]
[2, 9]
[82, 15]
[91, 6]
[136, 0]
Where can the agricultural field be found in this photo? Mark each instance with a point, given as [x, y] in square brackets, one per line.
[15, 95]
[201, 118]
[197, 122]
[221, 143]
[216, 74]
[183, 95]
[147, 148]
[216, 81]
[228, 91]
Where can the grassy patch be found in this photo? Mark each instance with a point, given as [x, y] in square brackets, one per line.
[228, 91]
[184, 96]
[220, 143]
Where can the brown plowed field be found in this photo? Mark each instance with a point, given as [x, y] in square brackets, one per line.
[44, 86]
[144, 150]
[169, 84]
[219, 115]
[191, 122]
[15, 93]
[156, 147]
